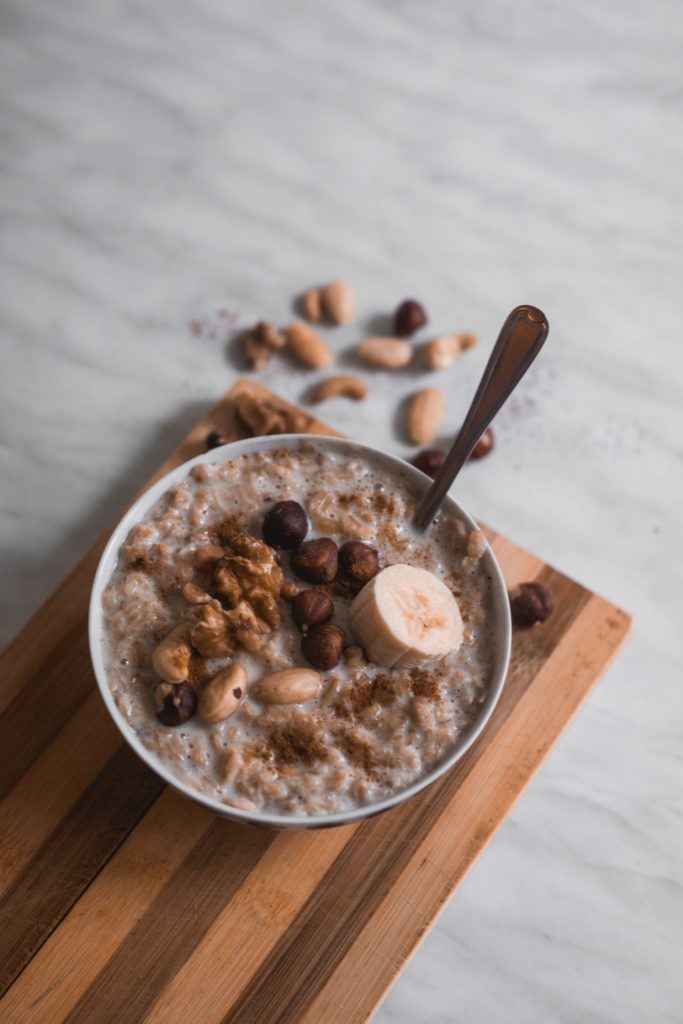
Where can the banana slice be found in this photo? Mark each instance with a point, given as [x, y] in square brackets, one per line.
[405, 617]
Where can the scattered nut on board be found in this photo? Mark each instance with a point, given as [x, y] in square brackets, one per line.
[385, 353]
[531, 603]
[425, 413]
[306, 345]
[442, 351]
[339, 302]
[347, 386]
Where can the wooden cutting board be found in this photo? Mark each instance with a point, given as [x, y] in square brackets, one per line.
[121, 901]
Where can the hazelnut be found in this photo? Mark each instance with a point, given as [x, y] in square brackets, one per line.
[176, 704]
[311, 608]
[531, 603]
[430, 461]
[483, 445]
[216, 439]
[358, 562]
[285, 525]
[324, 645]
[316, 560]
[409, 317]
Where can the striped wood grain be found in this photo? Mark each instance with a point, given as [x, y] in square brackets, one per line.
[122, 901]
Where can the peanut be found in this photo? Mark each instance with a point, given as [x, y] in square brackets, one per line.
[387, 353]
[171, 658]
[348, 386]
[291, 686]
[339, 302]
[425, 412]
[442, 351]
[307, 345]
[223, 694]
[310, 305]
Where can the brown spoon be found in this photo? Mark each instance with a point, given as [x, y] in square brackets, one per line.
[519, 342]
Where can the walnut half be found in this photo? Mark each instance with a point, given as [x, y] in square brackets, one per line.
[268, 416]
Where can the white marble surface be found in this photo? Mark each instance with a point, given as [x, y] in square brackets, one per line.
[161, 161]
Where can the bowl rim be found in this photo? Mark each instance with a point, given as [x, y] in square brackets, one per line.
[502, 633]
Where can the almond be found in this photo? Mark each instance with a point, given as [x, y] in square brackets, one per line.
[307, 345]
[388, 353]
[339, 302]
[310, 304]
[425, 413]
[223, 694]
[348, 386]
[291, 686]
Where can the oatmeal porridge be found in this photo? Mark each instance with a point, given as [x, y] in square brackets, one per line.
[279, 637]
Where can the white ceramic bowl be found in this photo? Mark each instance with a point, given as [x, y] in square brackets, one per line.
[501, 633]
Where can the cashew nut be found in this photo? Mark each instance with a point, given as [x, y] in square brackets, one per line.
[223, 694]
[348, 386]
[292, 686]
[171, 658]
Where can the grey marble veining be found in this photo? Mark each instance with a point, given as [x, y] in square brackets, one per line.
[163, 161]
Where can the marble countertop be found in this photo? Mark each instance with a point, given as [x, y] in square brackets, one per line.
[165, 161]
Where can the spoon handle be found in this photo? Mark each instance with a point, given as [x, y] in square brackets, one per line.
[519, 342]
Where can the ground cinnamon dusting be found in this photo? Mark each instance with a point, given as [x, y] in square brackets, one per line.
[383, 503]
[198, 673]
[142, 563]
[360, 752]
[424, 684]
[291, 745]
[224, 532]
[364, 692]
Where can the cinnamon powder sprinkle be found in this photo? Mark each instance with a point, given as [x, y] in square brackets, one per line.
[292, 745]
[360, 752]
[424, 684]
[364, 692]
[224, 532]
[198, 673]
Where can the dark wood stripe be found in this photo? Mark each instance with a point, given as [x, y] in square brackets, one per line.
[57, 688]
[71, 856]
[173, 925]
[371, 863]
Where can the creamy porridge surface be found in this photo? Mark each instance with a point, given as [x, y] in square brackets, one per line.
[370, 731]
